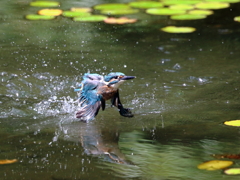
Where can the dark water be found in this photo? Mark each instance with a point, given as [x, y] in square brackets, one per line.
[186, 86]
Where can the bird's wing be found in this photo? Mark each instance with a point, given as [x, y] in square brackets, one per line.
[89, 101]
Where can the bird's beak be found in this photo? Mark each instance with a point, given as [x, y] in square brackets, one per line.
[127, 77]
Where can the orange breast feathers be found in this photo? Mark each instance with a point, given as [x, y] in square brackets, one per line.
[107, 92]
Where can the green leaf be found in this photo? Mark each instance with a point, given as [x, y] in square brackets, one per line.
[111, 6]
[39, 17]
[164, 11]
[237, 18]
[181, 6]
[91, 18]
[174, 29]
[188, 17]
[145, 4]
[75, 13]
[232, 171]
[201, 12]
[232, 123]
[228, 1]
[212, 5]
[171, 2]
[45, 4]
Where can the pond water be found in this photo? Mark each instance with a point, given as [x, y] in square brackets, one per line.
[187, 85]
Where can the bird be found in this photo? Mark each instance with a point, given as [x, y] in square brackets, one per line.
[95, 90]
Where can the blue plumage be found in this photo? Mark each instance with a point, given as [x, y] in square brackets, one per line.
[95, 89]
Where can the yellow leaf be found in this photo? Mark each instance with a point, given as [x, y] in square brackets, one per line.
[81, 9]
[232, 123]
[214, 165]
[8, 161]
[121, 20]
[50, 12]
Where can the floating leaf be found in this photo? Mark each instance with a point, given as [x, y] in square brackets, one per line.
[212, 5]
[171, 2]
[164, 11]
[45, 4]
[181, 6]
[214, 165]
[188, 17]
[119, 11]
[232, 123]
[145, 4]
[50, 12]
[8, 161]
[229, 156]
[237, 18]
[39, 17]
[81, 9]
[91, 18]
[201, 12]
[232, 171]
[121, 20]
[174, 29]
[111, 6]
[75, 13]
[229, 1]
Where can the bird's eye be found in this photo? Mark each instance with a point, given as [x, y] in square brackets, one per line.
[115, 77]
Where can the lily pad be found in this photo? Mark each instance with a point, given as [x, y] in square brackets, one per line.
[229, 1]
[45, 4]
[188, 17]
[212, 5]
[237, 18]
[232, 171]
[214, 165]
[171, 2]
[119, 11]
[91, 18]
[50, 12]
[121, 20]
[8, 161]
[39, 17]
[164, 11]
[145, 4]
[228, 156]
[174, 29]
[181, 6]
[111, 6]
[81, 9]
[75, 13]
[201, 12]
[233, 123]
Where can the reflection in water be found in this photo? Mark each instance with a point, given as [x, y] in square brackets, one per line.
[94, 141]
[175, 160]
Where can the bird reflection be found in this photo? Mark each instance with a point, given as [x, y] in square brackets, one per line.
[95, 141]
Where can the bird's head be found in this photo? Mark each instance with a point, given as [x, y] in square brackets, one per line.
[115, 79]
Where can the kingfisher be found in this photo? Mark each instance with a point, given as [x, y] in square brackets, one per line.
[96, 89]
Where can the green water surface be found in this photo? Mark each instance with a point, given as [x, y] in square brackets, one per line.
[187, 85]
